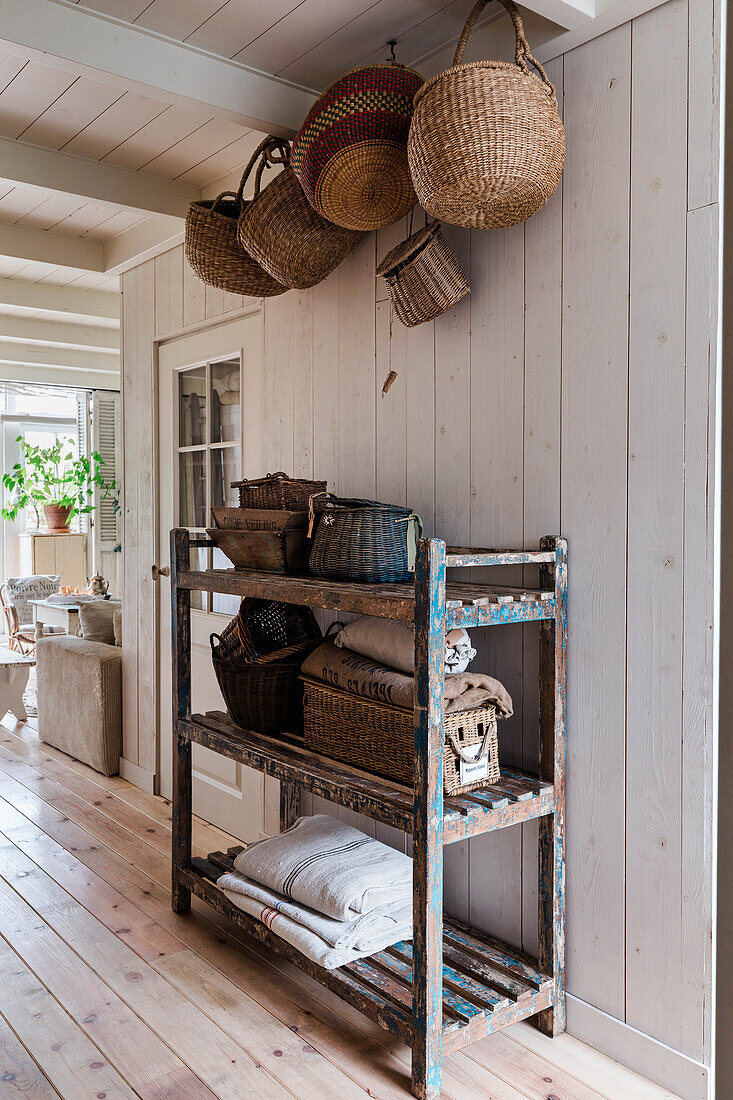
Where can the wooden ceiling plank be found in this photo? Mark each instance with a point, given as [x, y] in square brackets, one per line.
[239, 22]
[211, 138]
[41, 356]
[155, 137]
[117, 223]
[71, 36]
[118, 123]
[19, 201]
[177, 18]
[60, 334]
[93, 380]
[71, 112]
[128, 10]
[54, 209]
[10, 66]
[222, 163]
[80, 303]
[29, 94]
[86, 218]
[305, 27]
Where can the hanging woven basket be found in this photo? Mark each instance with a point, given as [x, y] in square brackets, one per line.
[487, 146]
[287, 237]
[213, 249]
[350, 153]
[423, 276]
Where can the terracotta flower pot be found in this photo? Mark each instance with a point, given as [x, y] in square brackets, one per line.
[57, 517]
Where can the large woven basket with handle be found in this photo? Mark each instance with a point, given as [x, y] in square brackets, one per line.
[487, 146]
[279, 491]
[288, 238]
[423, 276]
[381, 738]
[212, 246]
[350, 154]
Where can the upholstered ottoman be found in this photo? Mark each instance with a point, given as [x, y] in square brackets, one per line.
[80, 699]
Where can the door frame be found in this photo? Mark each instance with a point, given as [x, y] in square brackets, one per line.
[200, 327]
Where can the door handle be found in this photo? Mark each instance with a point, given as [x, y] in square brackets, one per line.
[156, 573]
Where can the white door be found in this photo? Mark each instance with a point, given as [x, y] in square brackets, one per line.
[209, 415]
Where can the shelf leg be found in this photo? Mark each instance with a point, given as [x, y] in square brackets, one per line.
[427, 981]
[553, 679]
[181, 678]
[289, 804]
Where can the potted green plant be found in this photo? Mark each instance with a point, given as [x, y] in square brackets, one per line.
[52, 479]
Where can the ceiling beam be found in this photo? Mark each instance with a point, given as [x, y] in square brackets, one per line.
[60, 299]
[34, 330]
[58, 376]
[137, 59]
[36, 355]
[42, 246]
[88, 180]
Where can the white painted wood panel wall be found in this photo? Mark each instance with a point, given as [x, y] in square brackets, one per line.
[572, 392]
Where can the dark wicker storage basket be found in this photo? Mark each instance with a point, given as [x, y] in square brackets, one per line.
[278, 491]
[363, 540]
[423, 276]
[380, 738]
[257, 661]
[212, 246]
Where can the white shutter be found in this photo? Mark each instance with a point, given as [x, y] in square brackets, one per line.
[82, 432]
[106, 439]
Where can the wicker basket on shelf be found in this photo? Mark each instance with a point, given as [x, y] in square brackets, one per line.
[487, 145]
[381, 739]
[278, 490]
[423, 276]
[212, 246]
[291, 240]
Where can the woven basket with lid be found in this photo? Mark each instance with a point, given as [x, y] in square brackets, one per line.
[350, 153]
[292, 241]
[212, 247]
[423, 276]
[487, 145]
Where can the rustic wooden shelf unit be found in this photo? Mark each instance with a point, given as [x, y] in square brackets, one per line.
[452, 984]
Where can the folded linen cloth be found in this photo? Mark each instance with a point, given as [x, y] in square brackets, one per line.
[360, 931]
[341, 668]
[390, 642]
[330, 867]
[305, 940]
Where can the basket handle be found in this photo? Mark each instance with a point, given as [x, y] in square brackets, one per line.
[522, 52]
[237, 195]
[460, 751]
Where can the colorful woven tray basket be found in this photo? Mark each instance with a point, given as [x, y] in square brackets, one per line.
[350, 153]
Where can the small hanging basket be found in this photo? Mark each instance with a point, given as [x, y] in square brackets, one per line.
[211, 244]
[487, 145]
[287, 237]
[423, 276]
[350, 154]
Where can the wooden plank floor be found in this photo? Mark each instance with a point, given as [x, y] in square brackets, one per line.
[105, 992]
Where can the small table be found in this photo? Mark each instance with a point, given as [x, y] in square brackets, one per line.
[14, 668]
[55, 614]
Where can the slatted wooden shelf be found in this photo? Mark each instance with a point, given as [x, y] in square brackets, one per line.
[467, 605]
[517, 797]
[486, 985]
[450, 985]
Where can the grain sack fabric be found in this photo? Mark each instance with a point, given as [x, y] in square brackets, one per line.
[391, 642]
[350, 672]
[327, 866]
[328, 942]
[350, 154]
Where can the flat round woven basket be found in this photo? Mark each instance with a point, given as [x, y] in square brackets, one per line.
[350, 153]
[288, 238]
[213, 249]
[487, 145]
[423, 276]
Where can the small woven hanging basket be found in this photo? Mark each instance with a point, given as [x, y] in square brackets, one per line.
[213, 249]
[487, 145]
[423, 276]
[350, 154]
[288, 238]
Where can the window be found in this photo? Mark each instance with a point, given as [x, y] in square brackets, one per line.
[208, 457]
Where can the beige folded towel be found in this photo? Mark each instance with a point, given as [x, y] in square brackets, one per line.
[349, 671]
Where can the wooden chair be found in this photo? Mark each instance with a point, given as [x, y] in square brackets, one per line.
[21, 636]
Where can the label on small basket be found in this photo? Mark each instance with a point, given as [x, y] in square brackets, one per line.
[472, 771]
